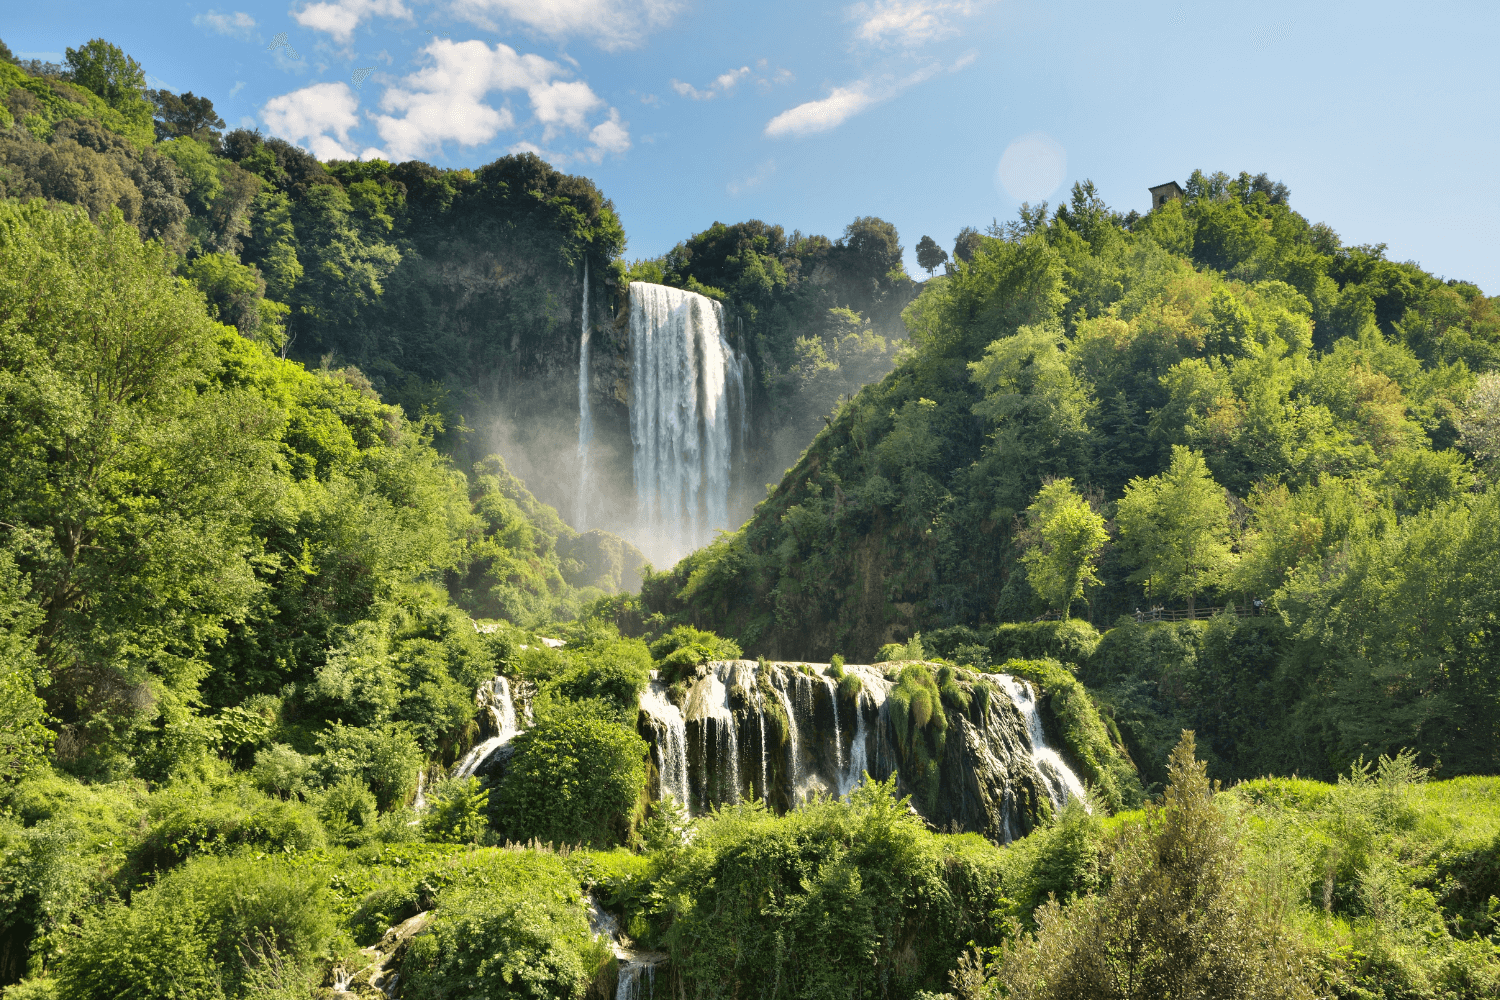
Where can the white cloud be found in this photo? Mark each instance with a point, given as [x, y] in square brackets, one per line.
[722, 84]
[907, 23]
[306, 117]
[822, 115]
[236, 25]
[239, 85]
[608, 137]
[845, 102]
[445, 102]
[610, 24]
[339, 18]
[760, 176]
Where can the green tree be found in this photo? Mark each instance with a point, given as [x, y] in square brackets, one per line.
[1179, 918]
[573, 779]
[966, 244]
[930, 256]
[1063, 540]
[117, 78]
[1174, 528]
[186, 116]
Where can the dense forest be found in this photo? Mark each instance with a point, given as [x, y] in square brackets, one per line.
[1219, 488]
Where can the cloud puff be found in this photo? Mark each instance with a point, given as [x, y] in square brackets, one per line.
[610, 24]
[822, 115]
[306, 117]
[445, 102]
[907, 23]
[846, 102]
[339, 18]
[236, 25]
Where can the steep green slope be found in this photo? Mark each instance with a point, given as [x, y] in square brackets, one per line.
[1320, 389]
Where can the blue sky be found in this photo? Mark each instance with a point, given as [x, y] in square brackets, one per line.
[1381, 118]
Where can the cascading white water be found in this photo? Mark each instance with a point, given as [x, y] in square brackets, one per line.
[765, 788]
[674, 763]
[682, 369]
[838, 737]
[857, 756]
[496, 698]
[791, 722]
[585, 416]
[635, 986]
[1062, 784]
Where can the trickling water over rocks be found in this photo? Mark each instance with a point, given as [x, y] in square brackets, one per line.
[786, 731]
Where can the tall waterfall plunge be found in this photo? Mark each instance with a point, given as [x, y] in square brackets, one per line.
[585, 414]
[687, 410]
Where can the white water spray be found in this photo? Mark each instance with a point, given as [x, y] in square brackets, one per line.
[791, 722]
[838, 738]
[496, 698]
[858, 763]
[682, 370]
[674, 763]
[765, 788]
[1062, 784]
[585, 416]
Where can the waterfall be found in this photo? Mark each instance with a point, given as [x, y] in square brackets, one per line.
[765, 788]
[682, 370]
[733, 740]
[1062, 784]
[673, 768]
[496, 698]
[838, 739]
[631, 985]
[585, 417]
[791, 722]
[857, 761]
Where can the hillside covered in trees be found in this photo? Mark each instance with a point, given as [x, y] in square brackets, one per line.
[1214, 404]
[261, 593]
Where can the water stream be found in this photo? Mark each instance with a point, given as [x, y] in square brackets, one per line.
[1062, 784]
[495, 697]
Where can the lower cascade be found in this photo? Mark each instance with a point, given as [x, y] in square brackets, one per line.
[777, 731]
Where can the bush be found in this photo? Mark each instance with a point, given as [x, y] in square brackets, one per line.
[386, 759]
[190, 819]
[348, 811]
[613, 672]
[514, 928]
[281, 771]
[459, 812]
[1072, 641]
[682, 650]
[193, 934]
[573, 780]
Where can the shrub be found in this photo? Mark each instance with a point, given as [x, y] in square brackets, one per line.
[573, 779]
[192, 934]
[279, 770]
[614, 672]
[348, 811]
[1072, 641]
[683, 649]
[514, 928]
[386, 759]
[459, 812]
[190, 819]
[909, 650]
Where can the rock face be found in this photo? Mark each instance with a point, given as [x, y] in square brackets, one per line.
[972, 756]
